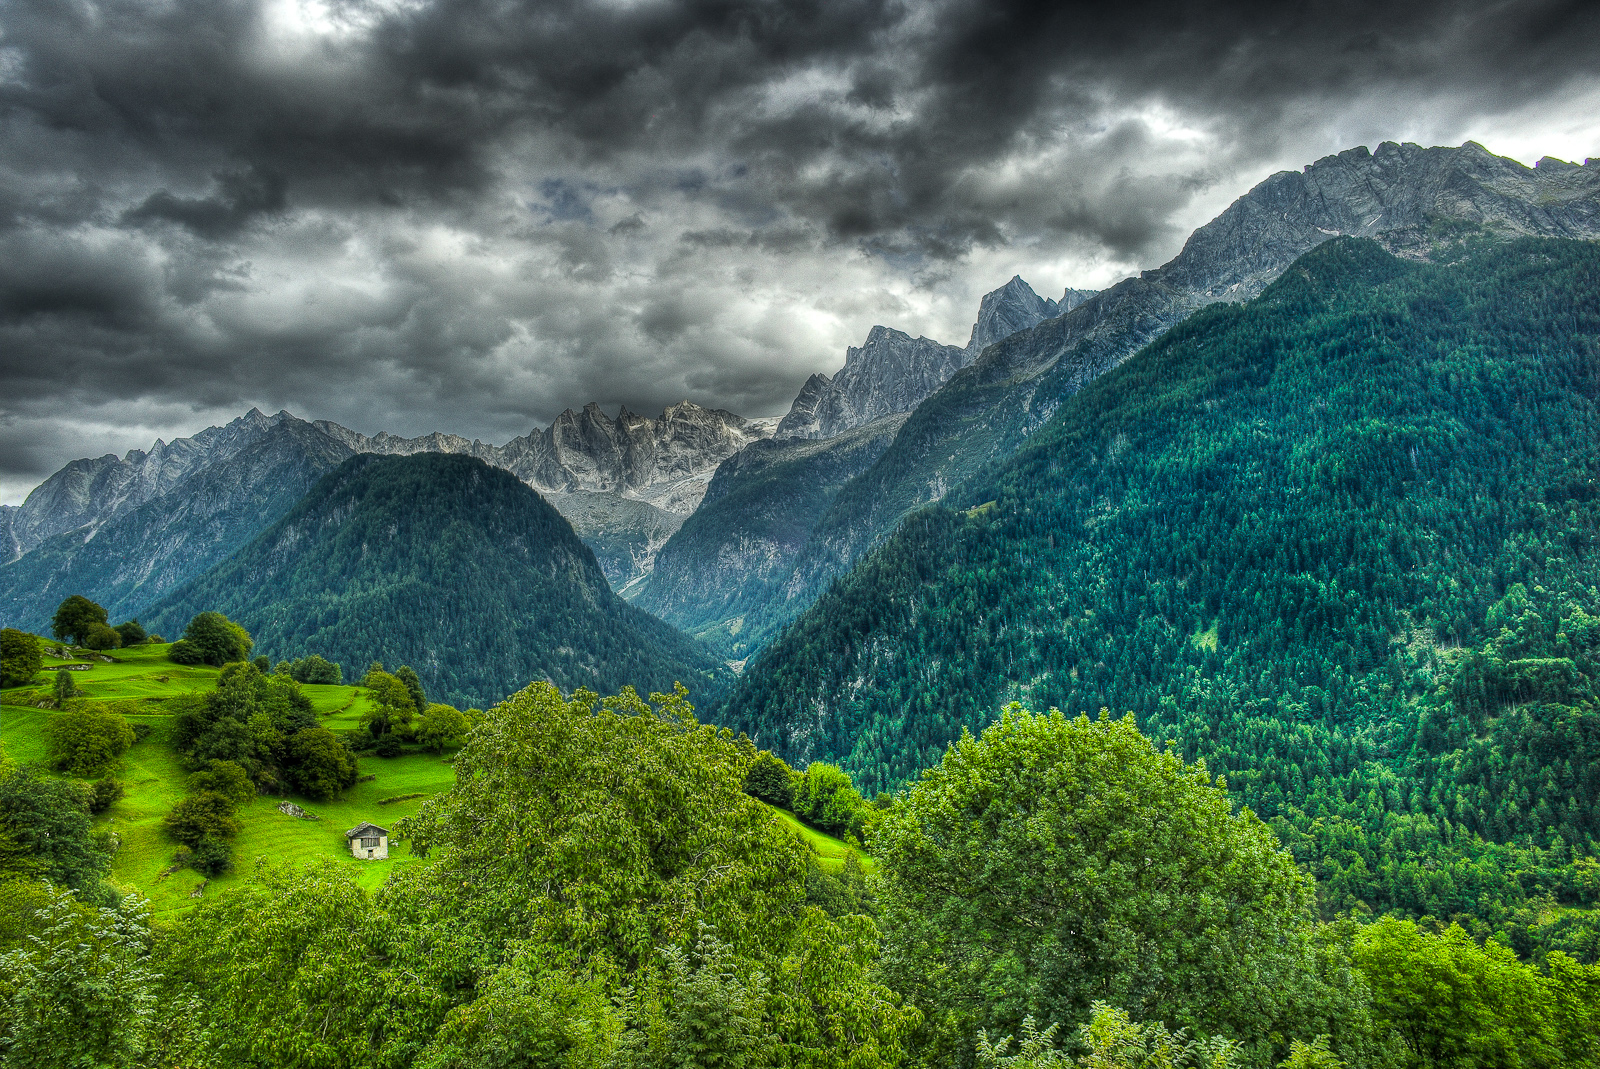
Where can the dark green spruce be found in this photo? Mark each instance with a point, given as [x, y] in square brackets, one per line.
[1339, 541]
[446, 564]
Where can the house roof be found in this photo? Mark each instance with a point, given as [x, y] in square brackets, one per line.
[365, 828]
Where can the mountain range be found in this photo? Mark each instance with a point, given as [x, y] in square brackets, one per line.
[729, 528]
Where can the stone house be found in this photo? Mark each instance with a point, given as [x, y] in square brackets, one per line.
[368, 841]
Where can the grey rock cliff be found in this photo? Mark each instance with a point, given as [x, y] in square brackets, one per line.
[892, 372]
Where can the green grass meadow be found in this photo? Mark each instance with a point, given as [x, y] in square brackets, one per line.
[141, 680]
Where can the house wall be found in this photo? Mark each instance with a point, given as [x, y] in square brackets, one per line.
[370, 853]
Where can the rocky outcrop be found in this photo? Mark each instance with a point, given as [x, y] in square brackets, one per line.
[92, 492]
[892, 372]
[666, 461]
[624, 533]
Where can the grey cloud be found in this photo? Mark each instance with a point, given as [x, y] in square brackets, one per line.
[470, 214]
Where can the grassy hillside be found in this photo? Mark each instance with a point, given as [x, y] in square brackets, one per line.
[142, 681]
[143, 678]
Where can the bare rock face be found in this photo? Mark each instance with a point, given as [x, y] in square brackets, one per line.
[892, 372]
[1010, 308]
[91, 492]
[666, 462]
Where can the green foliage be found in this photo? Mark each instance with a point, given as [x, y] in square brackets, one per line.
[825, 797]
[412, 682]
[1455, 1003]
[65, 689]
[227, 778]
[88, 739]
[20, 657]
[393, 709]
[446, 564]
[316, 669]
[131, 632]
[770, 779]
[442, 725]
[1036, 1051]
[320, 765]
[74, 617]
[1052, 862]
[1276, 535]
[105, 793]
[248, 719]
[46, 833]
[1115, 1041]
[213, 639]
[101, 637]
[202, 816]
[1313, 1055]
[79, 990]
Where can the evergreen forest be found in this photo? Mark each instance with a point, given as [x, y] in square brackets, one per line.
[445, 563]
[1338, 543]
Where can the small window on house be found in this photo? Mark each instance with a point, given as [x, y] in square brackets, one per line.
[369, 842]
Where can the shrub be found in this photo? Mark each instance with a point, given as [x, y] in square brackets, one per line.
[828, 800]
[20, 657]
[216, 639]
[316, 669]
[388, 745]
[227, 778]
[105, 794]
[131, 632]
[207, 815]
[319, 764]
[66, 688]
[441, 726]
[769, 780]
[211, 857]
[88, 740]
[185, 652]
[101, 637]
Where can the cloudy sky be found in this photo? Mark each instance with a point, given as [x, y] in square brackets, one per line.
[467, 215]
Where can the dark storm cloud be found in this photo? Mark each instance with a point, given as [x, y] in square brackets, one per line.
[472, 213]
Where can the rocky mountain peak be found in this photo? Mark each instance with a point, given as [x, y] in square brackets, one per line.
[891, 372]
[1005, 311]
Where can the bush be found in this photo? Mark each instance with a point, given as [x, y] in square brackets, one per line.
[185, 652]
[207, 815]
[88, 740]
[319, 764]
[769, 779]
[105, 794]
[316, 669]
[388, 745]
[442, 725]
[101, 637]
[211, 857]
[216, 639]
[131, 632]
[66, 688]
[227, 778]
[827, 799]
[20, 657]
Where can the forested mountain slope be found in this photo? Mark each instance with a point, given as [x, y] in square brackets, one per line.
[194, 515]
[446, 564]
[719, 569]
[1413, 199]
[1340, 540]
